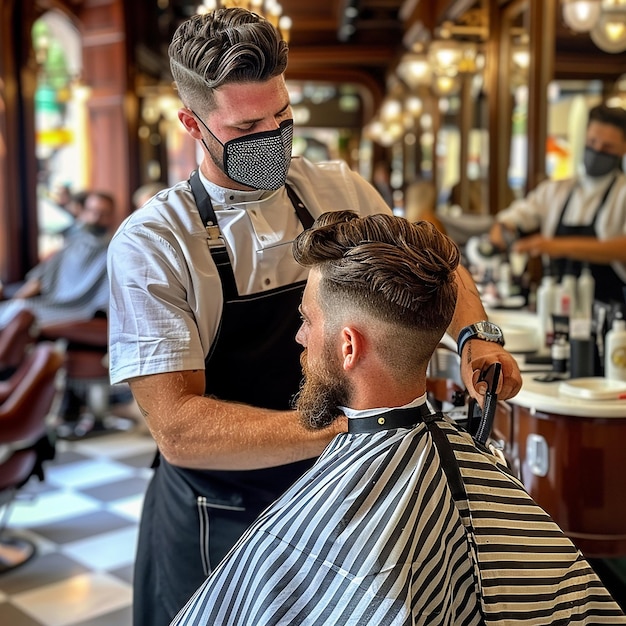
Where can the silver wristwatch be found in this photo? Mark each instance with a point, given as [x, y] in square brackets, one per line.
[487, 331]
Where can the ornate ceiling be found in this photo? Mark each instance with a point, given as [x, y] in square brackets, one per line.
[327, 44]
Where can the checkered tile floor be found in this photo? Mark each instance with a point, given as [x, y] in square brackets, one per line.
[84, 520]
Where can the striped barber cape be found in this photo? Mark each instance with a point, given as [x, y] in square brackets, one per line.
[373, 534]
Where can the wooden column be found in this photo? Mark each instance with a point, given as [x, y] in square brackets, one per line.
[541, 72]
[112, 105]
[499, 104]
[18, 167]
[467, 115]
[542, 28]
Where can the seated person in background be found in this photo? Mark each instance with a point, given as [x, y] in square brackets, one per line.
[72, 284]
[420, 203]
[75, 206]
[403, 519]
[477, 196]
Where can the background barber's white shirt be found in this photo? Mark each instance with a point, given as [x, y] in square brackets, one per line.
[542, 207]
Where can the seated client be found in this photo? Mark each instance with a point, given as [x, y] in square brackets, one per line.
[404, 519]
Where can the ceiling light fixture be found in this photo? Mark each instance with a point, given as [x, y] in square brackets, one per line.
[604, 20]
[414, 69]
[609, 34]
[581, 15]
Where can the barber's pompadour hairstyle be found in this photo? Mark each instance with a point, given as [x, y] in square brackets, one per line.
[221, 47]
[400, 272]
[615, 116]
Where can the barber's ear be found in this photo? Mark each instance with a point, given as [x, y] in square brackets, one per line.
[352, 346]
[189, 121]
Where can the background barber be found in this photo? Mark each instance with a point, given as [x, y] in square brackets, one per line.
[581, 219]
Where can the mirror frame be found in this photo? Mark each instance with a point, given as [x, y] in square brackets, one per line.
[542, 18]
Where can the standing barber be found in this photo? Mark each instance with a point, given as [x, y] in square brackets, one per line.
[204, 308]
[580, 220]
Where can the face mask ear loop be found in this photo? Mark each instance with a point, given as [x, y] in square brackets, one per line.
[210, 133]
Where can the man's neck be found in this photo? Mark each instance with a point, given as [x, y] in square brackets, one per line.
[364, 412]
[227, 195]
[594, 182]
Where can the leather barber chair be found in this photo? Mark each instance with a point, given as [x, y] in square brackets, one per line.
[15, 338]
[85, 409]
[25, 440]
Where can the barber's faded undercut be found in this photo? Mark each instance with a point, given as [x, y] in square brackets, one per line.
[221, 47]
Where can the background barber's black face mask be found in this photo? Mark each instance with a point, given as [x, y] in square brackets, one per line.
[259, 160]
[599, 163]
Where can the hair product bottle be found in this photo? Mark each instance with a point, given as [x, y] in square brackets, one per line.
[586, 286]
[615, 351]
[566, 295]
[546, 300]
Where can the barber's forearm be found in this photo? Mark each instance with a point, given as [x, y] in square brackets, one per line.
[469, 307]
[578, 248]
[29, 289]
[230, 436]
[201, 432]
[597, 251]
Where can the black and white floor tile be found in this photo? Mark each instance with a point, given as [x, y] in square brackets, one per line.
[84, 521]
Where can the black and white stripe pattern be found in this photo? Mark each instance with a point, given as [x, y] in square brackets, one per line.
[530, 573]
[372, 535]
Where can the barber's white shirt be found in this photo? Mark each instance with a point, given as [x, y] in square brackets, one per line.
[542, 207]
[166, 295]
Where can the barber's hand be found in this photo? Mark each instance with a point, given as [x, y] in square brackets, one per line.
[477, 356]
[536, 245]
[499, 236]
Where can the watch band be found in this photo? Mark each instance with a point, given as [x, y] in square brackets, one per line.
[475, 331]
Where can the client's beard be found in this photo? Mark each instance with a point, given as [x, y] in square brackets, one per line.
[322, 391]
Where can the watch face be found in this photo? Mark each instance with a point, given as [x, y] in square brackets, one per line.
[489, 328]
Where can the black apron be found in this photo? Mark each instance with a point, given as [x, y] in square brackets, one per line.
[192, 518]
[608, 285]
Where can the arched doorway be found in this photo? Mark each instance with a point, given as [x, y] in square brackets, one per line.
[61, 149]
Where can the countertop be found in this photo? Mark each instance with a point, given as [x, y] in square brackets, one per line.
[545, 396]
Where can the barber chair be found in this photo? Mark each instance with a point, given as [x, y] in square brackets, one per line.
[15, 338]
[25, 439]
[86, 404]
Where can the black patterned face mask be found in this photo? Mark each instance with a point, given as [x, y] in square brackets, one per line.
[259, 160]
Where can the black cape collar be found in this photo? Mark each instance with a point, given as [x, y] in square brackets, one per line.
[396, 418]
